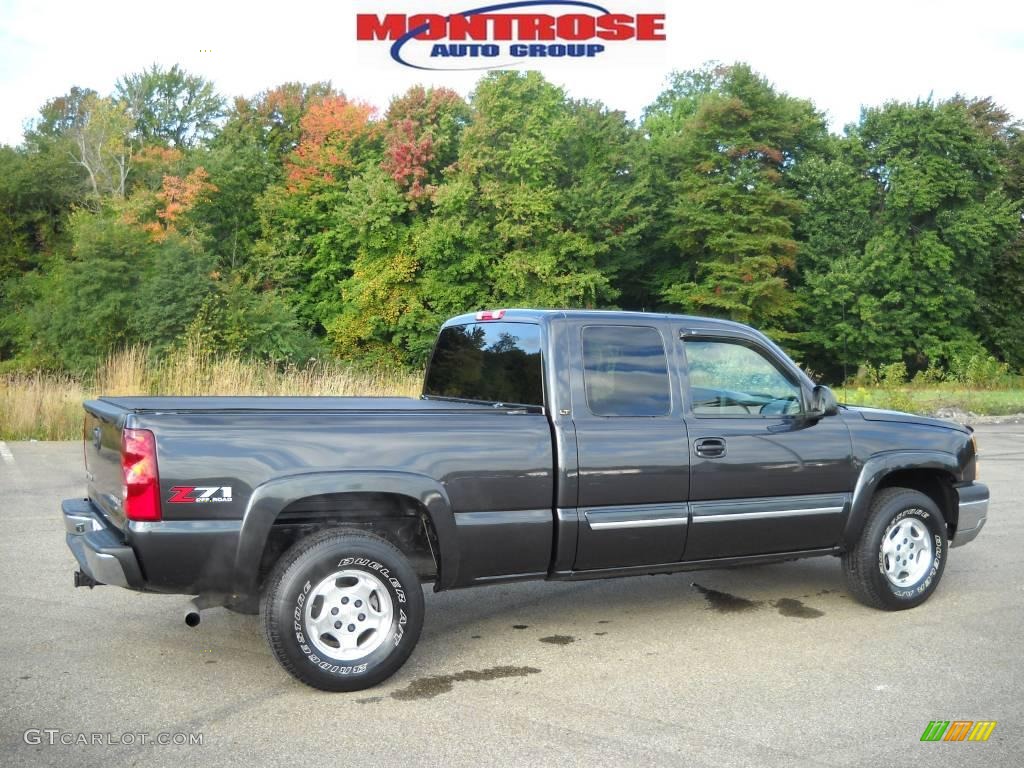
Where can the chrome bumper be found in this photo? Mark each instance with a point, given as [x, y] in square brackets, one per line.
[98, 548]
[972, 514]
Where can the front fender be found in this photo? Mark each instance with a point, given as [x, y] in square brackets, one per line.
[875, 470]
[269, 499]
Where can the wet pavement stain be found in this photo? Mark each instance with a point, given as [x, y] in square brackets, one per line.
[605, 621]
[600, 633]
[211, 661]
[370, 700]
[723, 602]
[787, 606]
[558, 639]
[475, 637]
[520, 626]
[435, 685]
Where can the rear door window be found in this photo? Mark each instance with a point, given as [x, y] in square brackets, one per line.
[625, 371]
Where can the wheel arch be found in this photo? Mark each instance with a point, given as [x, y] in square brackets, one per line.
[933, 473]
[273, 498]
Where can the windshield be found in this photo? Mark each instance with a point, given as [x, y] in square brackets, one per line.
[492, 362]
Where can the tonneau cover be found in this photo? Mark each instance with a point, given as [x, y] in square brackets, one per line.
[316, 404]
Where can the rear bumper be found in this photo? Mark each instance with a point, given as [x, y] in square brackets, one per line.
[973, 513]
[187, 557]
[99, 549]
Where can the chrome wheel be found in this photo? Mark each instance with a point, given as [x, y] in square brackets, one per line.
[907, 552]
[348, 614]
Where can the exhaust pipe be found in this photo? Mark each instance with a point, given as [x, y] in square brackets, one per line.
[195, 605]
[199, 603]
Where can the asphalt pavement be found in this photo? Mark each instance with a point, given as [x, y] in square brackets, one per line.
[762, 666]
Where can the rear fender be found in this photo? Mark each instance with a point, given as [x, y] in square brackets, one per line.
[269, 499]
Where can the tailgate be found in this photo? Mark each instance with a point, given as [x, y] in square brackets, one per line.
[101, 436]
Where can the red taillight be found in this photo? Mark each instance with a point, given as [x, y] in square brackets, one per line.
[490, 314]
[141, 481]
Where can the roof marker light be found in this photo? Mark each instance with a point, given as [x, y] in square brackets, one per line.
[491, 314]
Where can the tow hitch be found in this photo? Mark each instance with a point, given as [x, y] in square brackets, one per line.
[83, 579]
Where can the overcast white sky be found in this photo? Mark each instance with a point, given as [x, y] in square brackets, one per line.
[840, 55]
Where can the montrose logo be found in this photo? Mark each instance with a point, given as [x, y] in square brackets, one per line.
[506, 34]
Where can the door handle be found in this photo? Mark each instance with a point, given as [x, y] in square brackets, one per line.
[710, 447]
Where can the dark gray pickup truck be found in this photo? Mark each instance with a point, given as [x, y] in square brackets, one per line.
[546, 445]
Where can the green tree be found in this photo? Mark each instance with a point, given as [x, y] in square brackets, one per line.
[540, 208]
[725, 142]
[102, 146]
[170, 106]
[305, 249]
[237, 319]
[904, 232]
[80, 311]
[1000, 322]
[244, 159]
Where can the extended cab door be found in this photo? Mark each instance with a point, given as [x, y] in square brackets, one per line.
[631, 445]
[764, 478]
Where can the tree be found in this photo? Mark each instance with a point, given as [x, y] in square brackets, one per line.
[906, 236]
[727, 142]
[424, 128]
[238, 319]
[305, 249]
[102, 146]
[395, 285]
[244, 159]
[170, 107]
[1000, 322]
[80, 312]
[334, 133]
[538, 208]
[513, 158]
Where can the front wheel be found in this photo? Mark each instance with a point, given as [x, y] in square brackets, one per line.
[899, 559]
[342, 610]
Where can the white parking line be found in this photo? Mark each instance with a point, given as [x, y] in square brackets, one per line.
[5, 453]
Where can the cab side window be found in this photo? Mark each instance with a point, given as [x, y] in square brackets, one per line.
[625, 371]
[727, 378]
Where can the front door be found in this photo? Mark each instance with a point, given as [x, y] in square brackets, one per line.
[764, 478]
[631, 445]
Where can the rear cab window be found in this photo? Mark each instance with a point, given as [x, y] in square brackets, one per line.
[492, 362]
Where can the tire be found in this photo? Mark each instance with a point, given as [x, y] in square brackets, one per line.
[901, 521]
[342, 610]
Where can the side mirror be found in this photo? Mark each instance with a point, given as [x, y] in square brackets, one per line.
[823, 402]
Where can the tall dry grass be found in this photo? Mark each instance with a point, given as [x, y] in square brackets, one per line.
[40, 406]
[49, 407]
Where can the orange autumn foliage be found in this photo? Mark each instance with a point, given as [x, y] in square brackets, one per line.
[330, 130]
[176, 197]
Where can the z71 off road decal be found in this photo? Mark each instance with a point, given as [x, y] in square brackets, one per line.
[198, 494]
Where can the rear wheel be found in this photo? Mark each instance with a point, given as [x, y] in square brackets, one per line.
[342, 610]
[901, 554]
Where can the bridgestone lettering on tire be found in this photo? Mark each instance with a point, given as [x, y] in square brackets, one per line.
[342, 610]
[899, 559]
